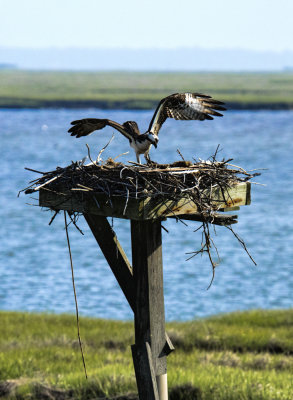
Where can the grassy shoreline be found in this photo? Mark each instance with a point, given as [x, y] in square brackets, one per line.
[141, 90]
[246, 355]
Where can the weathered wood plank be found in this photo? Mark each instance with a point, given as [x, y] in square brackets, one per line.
[148, 277]
[142, 209]
[216, 219]
[226, 209]
[144, 372]
[93, 203]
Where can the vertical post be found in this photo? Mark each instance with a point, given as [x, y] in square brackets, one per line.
[149, 310]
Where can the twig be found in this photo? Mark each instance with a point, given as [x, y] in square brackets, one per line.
[89, 155]
[165, 229]
[119, 155]
[139, 165]
[127, 198]
[34, 170]
[75, 297]
[180, 154]
[73, 220]
[104, 148]
[46, 183]
[52, 219]
[241, 241]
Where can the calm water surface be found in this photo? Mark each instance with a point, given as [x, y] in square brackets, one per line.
[34, 265]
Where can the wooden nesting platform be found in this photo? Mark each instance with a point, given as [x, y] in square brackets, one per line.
[148, 208]
[145, 195]
[150, 201]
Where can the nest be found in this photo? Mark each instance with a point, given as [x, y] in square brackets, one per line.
[140, 181]
[136, 181]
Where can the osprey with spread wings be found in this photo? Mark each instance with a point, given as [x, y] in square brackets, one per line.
[181, 106]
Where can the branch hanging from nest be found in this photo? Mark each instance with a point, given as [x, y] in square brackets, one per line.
[75, 296]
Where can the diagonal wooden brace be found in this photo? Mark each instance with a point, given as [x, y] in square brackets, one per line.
[114, 254]
[118, 261]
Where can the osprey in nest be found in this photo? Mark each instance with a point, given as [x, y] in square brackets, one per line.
[182, 106]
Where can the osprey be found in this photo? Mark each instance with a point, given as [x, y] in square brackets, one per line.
[181, 106]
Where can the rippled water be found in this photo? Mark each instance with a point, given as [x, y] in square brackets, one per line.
[34, 264]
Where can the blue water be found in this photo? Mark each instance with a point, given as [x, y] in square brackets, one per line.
[34, 264]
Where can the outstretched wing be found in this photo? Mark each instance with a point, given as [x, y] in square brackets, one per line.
[185, 106]
[84, 127]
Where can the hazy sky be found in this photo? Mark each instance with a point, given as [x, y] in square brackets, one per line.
[248, 24]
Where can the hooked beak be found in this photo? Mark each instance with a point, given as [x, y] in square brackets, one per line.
[155, 142]
[153, 139]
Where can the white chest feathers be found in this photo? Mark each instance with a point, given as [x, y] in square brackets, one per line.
[140, 147]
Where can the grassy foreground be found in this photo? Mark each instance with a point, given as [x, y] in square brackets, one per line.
[141, 89]
[235, 356]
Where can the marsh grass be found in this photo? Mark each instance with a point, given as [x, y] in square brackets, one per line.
[236, 356]
[141, 89]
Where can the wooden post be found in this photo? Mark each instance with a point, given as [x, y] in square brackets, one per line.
[149, 310]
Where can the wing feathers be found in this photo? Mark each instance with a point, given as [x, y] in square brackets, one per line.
[84, 127]
[185, 106]
[215, 113]
[180, 106]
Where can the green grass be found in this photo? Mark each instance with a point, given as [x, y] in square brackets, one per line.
[236, 356]
[141, 89]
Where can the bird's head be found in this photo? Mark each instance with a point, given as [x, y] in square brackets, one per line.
[153, 138]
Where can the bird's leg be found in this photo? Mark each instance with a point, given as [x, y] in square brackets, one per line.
[138, 158]
[147, 157]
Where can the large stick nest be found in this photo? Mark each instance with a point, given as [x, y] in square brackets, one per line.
[170, 181]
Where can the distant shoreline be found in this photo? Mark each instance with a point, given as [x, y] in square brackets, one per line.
[126, 105]
[141, 90]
